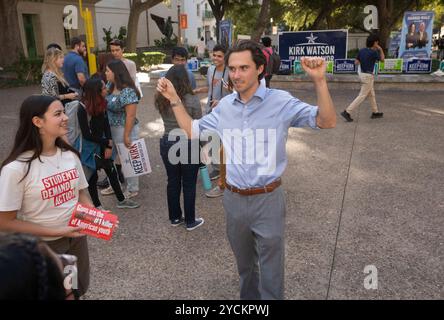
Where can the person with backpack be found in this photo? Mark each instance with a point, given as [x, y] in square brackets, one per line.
[96, 142]
[42, 180]
[273, 60]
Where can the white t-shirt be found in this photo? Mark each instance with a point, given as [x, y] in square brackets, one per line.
[48, 195]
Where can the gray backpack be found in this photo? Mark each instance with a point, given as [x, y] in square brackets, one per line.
[74, 131]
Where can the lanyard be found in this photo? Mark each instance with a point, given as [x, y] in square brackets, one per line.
[212, 81]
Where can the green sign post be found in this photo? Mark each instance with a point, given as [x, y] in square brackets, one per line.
[441, 66]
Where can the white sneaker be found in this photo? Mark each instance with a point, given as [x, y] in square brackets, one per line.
[129, 194]
[107, 192]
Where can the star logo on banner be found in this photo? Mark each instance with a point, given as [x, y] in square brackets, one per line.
[311, 39]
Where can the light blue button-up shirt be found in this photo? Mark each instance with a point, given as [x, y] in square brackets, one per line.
[254, 134]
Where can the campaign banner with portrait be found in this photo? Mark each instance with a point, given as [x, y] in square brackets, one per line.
[328, 44]
[225, 33]
[416, 35]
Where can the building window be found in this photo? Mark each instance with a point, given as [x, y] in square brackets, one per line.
[67, 35]
[199, 33]
[198, 10]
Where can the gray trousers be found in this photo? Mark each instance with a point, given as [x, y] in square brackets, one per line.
[79, 248]
[256, 230]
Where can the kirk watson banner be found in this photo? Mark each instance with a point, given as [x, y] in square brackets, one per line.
[328, 44]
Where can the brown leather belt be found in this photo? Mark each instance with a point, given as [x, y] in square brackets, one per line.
[252, 191]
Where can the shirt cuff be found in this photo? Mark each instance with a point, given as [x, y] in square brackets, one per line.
[195, 129]
[313, 115]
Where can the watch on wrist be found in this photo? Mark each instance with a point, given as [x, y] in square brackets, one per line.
[175, 103]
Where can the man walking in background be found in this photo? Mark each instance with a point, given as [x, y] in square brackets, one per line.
[367, 58]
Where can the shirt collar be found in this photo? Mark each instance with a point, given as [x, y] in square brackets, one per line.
[260, 93]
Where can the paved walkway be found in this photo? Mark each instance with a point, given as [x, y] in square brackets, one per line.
[368, 193]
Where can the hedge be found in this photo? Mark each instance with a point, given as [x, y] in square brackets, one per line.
[28, 69]
[146, 59]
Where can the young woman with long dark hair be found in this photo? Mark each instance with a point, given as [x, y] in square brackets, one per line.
[42, 180]
[180, 174]
[97, 144]
[122, 103]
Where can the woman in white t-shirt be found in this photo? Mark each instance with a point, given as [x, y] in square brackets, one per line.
[42, 180]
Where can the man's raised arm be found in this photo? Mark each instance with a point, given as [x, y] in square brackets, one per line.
[166, 88]
[315, 68]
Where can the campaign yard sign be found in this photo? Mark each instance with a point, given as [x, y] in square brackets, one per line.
[135, 161]
[419, 66]
[95, 223]
[285, 67]
[391, 66]
[193, 64]
[345, 66]
[329, 44]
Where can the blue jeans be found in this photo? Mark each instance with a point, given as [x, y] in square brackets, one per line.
[180, 175]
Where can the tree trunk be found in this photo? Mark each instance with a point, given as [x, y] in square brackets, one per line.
[11, 46]
[136, 9]
[384, 19]
[387, 17]
[262, 21]
[133, 24]
[325, 12]
[218, 7]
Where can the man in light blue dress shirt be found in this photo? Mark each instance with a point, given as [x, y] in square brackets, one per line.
[253, 124]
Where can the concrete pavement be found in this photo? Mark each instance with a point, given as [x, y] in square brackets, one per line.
[367, 193]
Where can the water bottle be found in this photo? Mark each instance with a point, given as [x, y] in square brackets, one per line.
[205, 177]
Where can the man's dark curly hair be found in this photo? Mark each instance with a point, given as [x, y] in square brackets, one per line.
[27, 271]
[256, 54]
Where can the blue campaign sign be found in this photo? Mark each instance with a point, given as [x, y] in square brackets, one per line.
[416, 37]
[193, 64]
[329, 44]
[285, 67]
[345, 66]
[419, 66]
[225, 32]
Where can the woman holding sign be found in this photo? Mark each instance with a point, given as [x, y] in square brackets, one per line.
[122, 107]
[42, 180]
[97, 145]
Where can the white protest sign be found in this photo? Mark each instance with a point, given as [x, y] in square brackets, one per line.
[135, 161]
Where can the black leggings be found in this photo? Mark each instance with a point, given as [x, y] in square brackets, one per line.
[114, 181]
